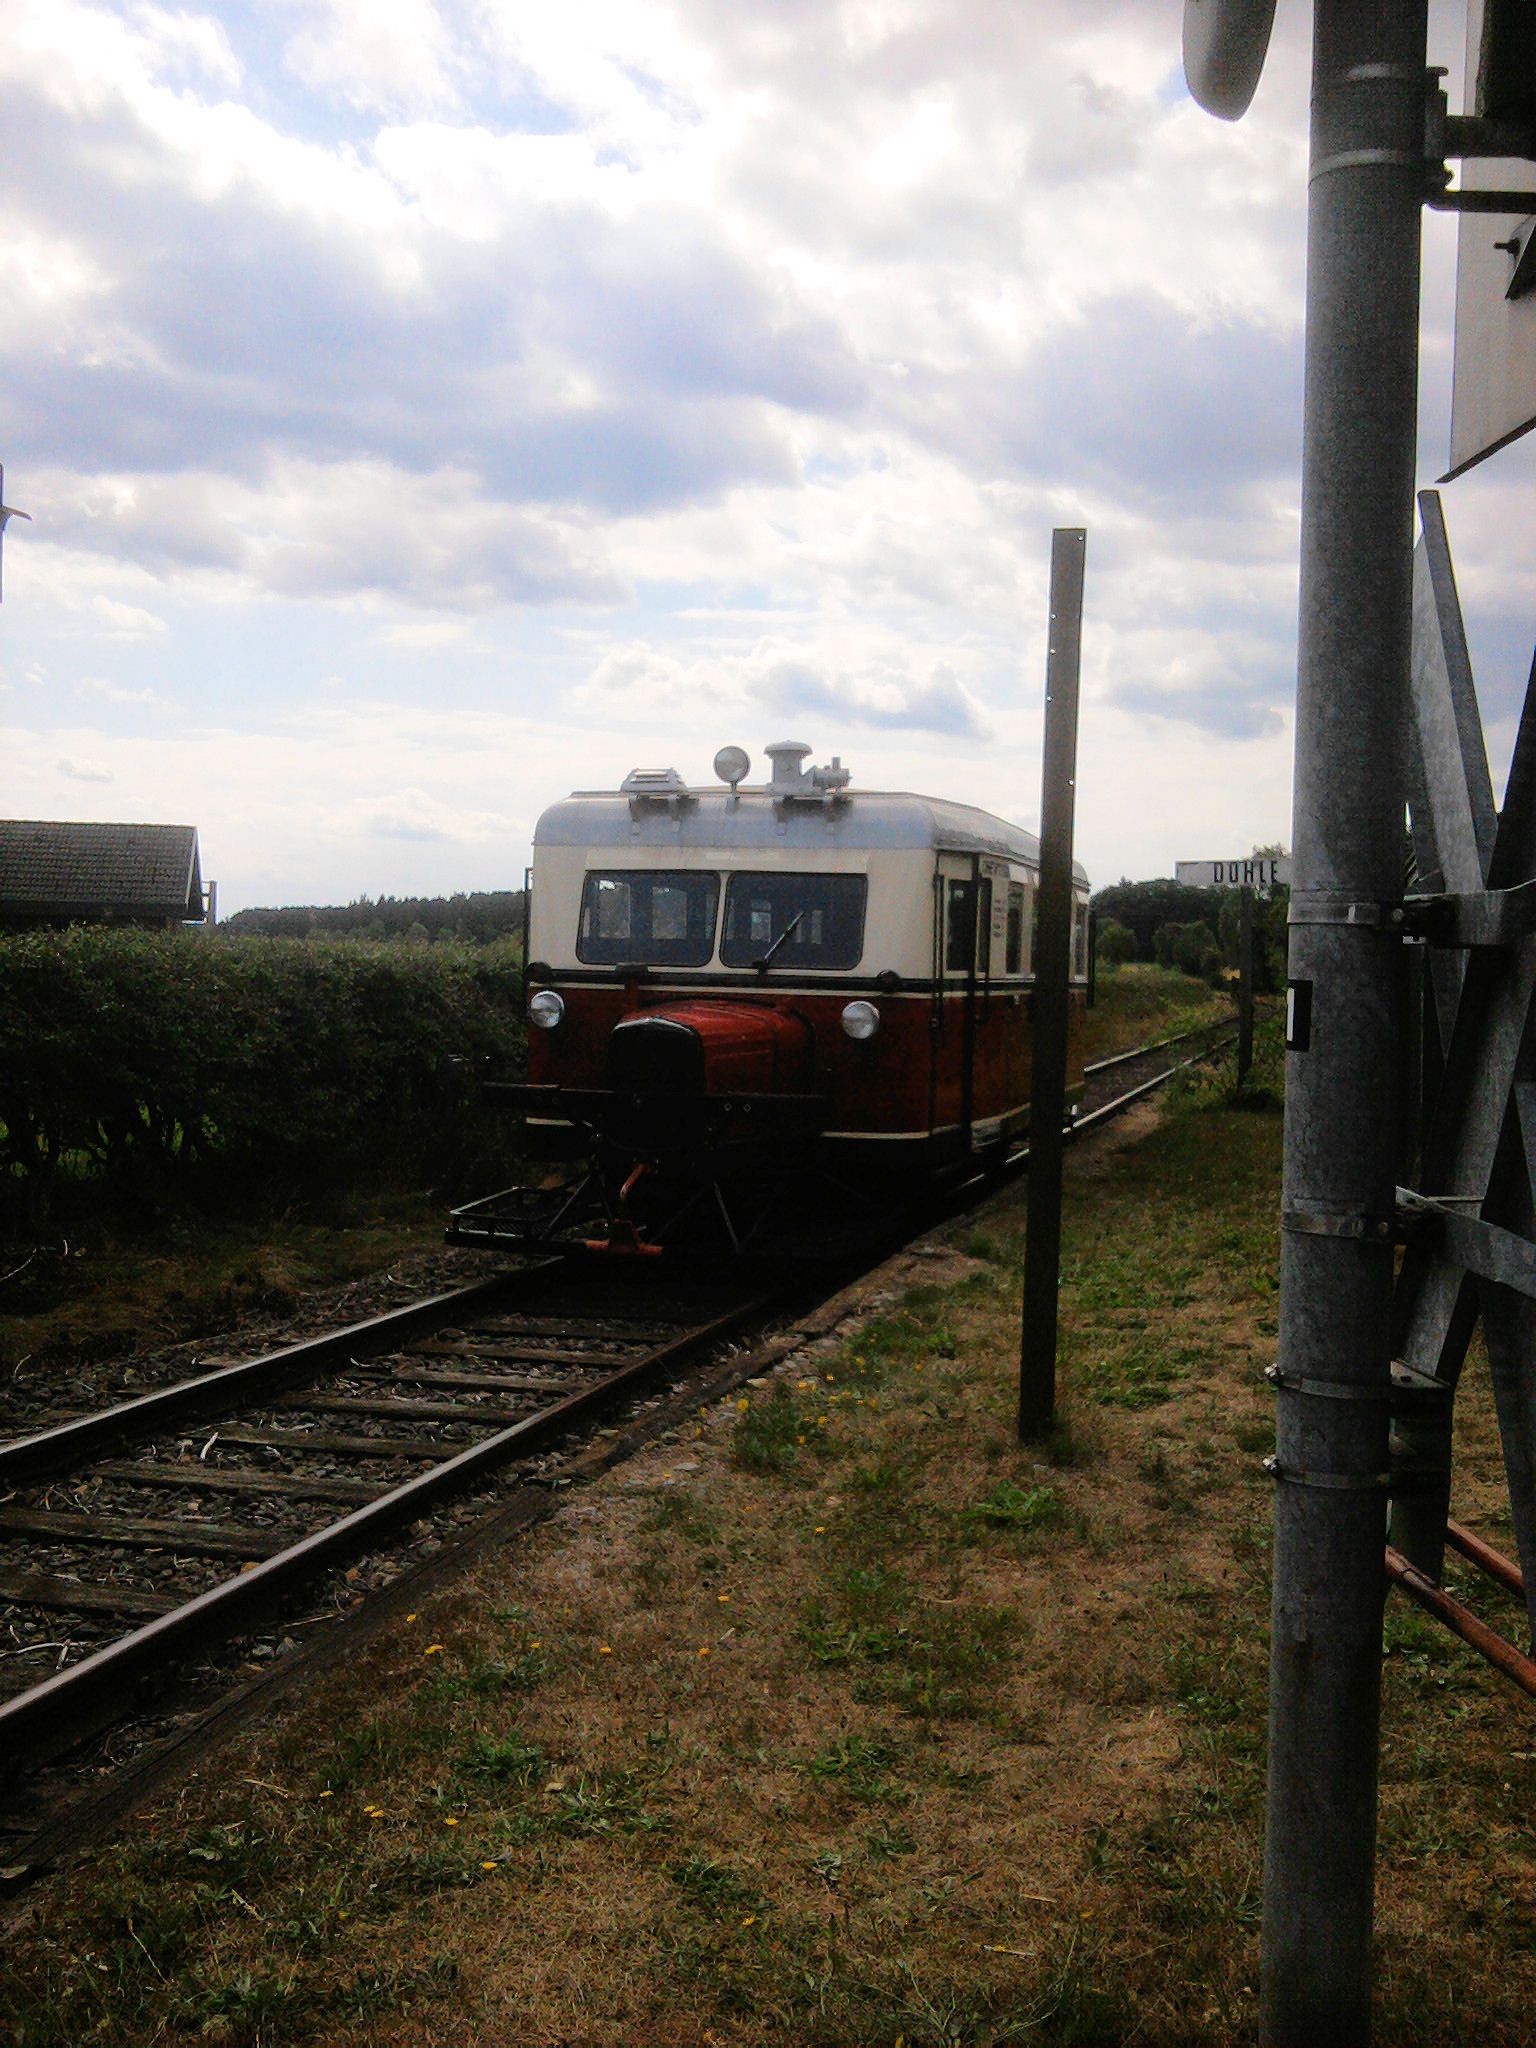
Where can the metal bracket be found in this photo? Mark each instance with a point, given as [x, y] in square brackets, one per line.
[1462, 201]
[1332, 1223]
[1479, 1247]
[1318, 906]
[1484, 917]
[1461, 135]
[1331, 1482]
[1285, 1382]
[1406, 1481]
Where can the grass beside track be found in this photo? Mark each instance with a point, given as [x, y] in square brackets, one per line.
[842, 1719]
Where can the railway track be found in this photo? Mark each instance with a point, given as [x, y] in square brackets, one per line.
[143, 1537]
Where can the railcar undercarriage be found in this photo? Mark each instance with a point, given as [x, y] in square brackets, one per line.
[662, 1172]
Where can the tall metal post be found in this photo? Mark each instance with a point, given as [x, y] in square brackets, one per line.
[1244, 986]
[1052, 966]
[1342, 1090]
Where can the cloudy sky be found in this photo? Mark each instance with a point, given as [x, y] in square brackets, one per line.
[428, 406]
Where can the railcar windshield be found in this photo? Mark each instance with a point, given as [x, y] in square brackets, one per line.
[761, 908]
[652, 916]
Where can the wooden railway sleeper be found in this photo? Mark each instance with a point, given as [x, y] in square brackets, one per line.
[47, 1589]
[197, 1478]
[403, 1410]
[195, 1538]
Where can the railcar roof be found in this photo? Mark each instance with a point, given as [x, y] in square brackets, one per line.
[707, 819]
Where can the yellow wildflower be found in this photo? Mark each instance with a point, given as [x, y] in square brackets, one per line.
[604, 1650]
[449, 1821]
[433, 1650]
[704, 1649]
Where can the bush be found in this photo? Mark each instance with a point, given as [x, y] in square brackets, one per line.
[150, 1062]
[1116, 943]
[1192, 948]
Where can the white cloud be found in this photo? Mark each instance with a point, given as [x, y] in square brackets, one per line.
[118, 621]
[116, 693]
[186, 45]
[380, 56]
[660, 371]
[82, 771]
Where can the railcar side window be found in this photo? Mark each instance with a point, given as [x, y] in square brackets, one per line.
[761, 908]
[959, 927]
[648, 915]
[1014, 960]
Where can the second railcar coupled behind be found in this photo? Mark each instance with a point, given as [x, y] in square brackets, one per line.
[737, 992]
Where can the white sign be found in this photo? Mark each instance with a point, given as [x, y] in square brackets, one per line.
[1493, 385]
[1256, 872]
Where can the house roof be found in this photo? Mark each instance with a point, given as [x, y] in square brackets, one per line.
[49, 869]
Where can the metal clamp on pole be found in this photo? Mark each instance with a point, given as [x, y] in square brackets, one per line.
[1285, 1382]
[1411, 1482]
[1325, 907]
[1329, 1482]
[1309, 1222]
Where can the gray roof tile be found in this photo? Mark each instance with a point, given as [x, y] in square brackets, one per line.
[52, 869]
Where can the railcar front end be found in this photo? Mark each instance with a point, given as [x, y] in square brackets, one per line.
[744, 1001]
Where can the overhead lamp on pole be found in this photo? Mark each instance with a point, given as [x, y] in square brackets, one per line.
[1225, 43]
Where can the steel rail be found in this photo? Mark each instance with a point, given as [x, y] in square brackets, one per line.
[40, 1724]
[1118, 1059]
[1106, 1110]
[227, 1387]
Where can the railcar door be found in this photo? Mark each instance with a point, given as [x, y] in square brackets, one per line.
[962, 926]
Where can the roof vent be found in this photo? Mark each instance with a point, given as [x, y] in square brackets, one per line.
[785, 757]
[790, 783]
[663, 786]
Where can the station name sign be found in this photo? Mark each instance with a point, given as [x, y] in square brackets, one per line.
[1253, 873]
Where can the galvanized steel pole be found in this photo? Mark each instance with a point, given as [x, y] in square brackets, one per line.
[1052, 963]
[1368, 180]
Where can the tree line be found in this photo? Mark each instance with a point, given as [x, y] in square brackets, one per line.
[1194, 930]
[476, 917]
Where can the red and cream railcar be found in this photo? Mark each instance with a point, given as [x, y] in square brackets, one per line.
[796, 974]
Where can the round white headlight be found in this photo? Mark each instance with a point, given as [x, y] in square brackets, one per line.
[546, 1009]
[861, 1020]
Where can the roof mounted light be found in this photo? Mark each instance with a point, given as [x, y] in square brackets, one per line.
[733, 765]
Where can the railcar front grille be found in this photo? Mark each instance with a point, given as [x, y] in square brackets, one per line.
[655, 1056]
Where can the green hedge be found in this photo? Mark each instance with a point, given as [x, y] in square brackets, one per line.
[151, 1065]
